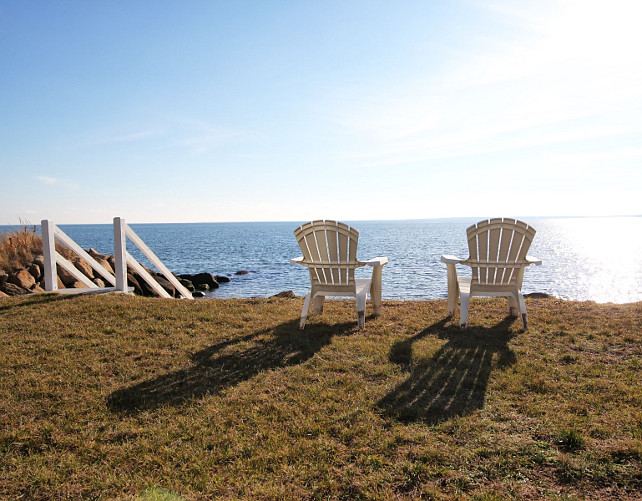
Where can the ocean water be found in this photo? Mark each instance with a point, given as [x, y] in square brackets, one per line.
[597, 259]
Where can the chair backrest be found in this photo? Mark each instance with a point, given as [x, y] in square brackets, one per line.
[329, 251]
[497, 251]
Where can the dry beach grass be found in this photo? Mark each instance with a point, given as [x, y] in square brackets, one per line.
[105, 397]
[19, 247]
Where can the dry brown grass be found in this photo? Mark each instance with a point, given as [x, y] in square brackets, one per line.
[18, 248]
[115, 397]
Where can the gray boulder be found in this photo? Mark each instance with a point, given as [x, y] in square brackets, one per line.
[167, 285]
[201, 278]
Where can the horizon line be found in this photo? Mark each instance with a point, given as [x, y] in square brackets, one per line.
[298, 221]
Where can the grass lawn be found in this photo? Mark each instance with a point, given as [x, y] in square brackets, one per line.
[105, 397]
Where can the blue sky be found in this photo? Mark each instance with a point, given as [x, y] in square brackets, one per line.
[168, 111]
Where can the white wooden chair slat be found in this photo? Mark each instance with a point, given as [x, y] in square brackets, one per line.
[504, 248]
[322, 245]
[333, 254]
[497, 256]
[329, 252]
[343, 256]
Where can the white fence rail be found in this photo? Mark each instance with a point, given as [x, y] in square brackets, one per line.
[121, 232]
[50, 232]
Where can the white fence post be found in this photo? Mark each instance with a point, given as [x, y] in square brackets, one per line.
[49, 251]
[120, 254]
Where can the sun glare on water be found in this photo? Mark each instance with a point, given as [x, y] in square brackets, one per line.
[599, 258]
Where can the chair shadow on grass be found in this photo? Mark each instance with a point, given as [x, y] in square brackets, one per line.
[226, 364]
[453, 382]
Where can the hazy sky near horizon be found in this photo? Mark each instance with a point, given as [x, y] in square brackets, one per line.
[167, 111]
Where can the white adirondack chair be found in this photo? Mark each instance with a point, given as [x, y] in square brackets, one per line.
[330, 253]
[498, 256]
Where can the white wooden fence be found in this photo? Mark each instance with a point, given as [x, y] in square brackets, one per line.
[122, 258]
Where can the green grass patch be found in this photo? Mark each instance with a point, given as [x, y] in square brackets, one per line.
[118, 397]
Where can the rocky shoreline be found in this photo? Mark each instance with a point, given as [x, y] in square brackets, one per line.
[31, 279]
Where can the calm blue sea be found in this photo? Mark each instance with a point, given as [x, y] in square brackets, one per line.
[596, 259]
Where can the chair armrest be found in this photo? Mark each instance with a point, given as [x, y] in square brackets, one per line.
[533, 260]
[376, 261]
[448, 259]
[296, 260]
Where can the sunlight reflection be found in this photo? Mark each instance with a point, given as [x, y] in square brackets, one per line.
[601, 257]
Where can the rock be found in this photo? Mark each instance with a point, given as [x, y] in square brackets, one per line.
[222, 279]
[40, 261]
[78, 285]
[3, 277]
[105, 264]
[146, 288]
[22, 278]
[167, 285]
[201, 278]
[99, 282]
[2, 294]
[242, 272]
[13, 289]
[203, 287]
[187, 284]
[37, 289]
[537, 295]
[133, 282]
[36, 271]
[67, 278]
[285, 294]
[60, 284]
[198, 294]
[97, 255]
[84, 267]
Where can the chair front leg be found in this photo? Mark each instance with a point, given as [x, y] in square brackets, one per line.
[361, 310]
[317, 305]
[513, 307]
[375, 289]
[304, 311]
[522, 310]
[453, 289]
[463, 310]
